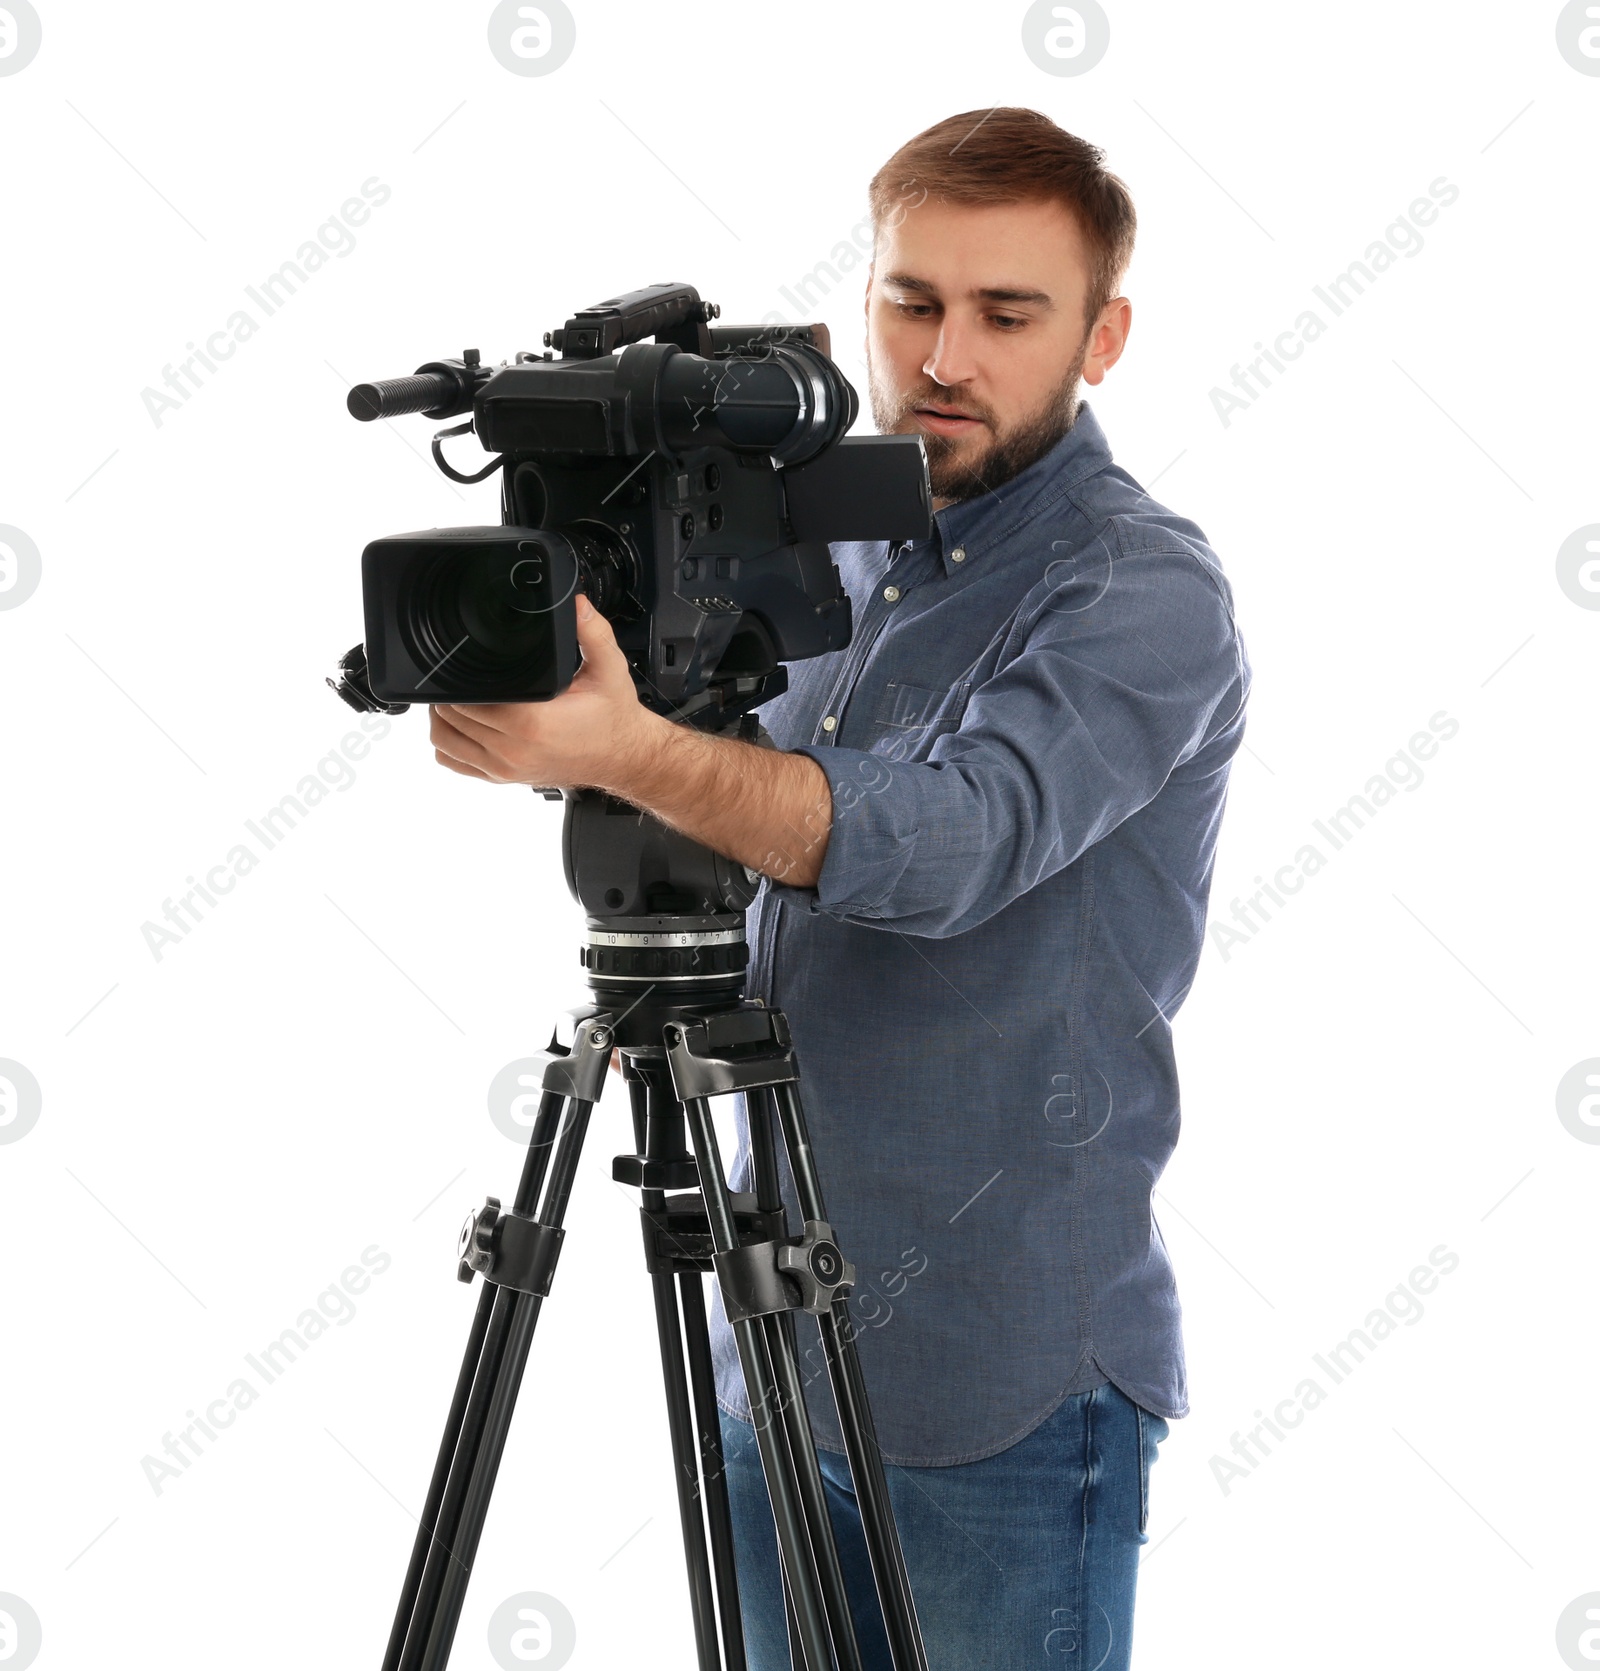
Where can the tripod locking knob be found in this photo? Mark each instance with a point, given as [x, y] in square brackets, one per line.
[817, 1267]
[475, 1248]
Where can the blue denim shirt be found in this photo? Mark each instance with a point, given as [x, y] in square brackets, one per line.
[1028, 742]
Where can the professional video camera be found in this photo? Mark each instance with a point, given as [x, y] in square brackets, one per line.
[687, 486]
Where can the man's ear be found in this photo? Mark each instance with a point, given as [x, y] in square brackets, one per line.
[1108, 339]
[866, 295]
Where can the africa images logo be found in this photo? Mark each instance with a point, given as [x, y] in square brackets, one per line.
[20, 1631]
[532, 40]
[20, 36]
[1066, 39]
[20, 567]
[20, 1102]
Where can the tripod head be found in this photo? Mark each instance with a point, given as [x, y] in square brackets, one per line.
[665, 914]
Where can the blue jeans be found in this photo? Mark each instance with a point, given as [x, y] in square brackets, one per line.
[1027, 1558]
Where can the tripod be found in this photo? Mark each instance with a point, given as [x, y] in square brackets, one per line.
[665, 965]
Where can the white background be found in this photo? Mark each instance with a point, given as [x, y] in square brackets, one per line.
[304, 1076]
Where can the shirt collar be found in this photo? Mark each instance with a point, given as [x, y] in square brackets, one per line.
[974, 526]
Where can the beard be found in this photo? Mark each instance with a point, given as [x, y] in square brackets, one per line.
[957, 470]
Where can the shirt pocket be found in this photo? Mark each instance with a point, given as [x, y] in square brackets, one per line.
[909, 717]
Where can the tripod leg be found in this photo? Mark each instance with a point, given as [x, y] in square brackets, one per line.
[686, 1467]
[487, 1422]
[713, 1471]
[441, 1475]
[533, 1170]
[486, 1464]
[781, 1356]
[788, 1599]
[658, 1134]
[758, 1105]
[819, 1597]
[813, 1494]
[855, 1419]
[537, 1159]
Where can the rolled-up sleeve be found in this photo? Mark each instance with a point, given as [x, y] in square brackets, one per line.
[1118, 678]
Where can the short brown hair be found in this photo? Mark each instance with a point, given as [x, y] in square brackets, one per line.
[1012, 155]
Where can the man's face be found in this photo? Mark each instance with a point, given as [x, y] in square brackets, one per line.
[976, 338]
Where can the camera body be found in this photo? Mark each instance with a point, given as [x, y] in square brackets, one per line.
[688, 486]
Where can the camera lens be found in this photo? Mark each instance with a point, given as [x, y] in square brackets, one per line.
[475, 616]
[501, 594]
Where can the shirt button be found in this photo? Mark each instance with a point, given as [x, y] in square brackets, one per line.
[891, 593]
[829, 723]
[959, 555]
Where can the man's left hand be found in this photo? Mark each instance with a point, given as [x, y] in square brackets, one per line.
[595, 734]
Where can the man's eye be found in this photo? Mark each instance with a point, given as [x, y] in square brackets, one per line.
[1007, 322]
[917, 310]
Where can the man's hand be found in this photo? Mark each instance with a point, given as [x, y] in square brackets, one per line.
[769, 811]
[595, 734]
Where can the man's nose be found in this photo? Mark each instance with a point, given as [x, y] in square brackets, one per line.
[953, 357]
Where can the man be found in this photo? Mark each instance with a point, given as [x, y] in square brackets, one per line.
[988, 826]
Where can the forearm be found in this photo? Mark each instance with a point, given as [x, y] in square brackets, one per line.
[762, 808]
[769, 811]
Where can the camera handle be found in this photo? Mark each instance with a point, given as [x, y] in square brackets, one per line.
[449, 469]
